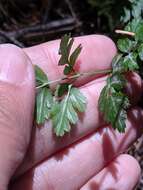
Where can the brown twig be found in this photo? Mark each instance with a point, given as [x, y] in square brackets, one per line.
[43, 27]
[10, 38]
[46, 8]
[49, 33]
[13, 37]
[69, 3]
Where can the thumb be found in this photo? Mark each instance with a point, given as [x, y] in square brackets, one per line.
[16, 109]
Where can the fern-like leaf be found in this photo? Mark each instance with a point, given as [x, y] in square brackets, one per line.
[113, 103]
[67, 58]
[44, 101]
[65, 113]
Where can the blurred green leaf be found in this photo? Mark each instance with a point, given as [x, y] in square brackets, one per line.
[41, 77]
[139, 32]
[44, 101]
[130, 62]
[114, 104]
[140, 51]
[75, 55]
[125, 45]
[65, 113]
[64, 50]
[67, 70]
[62, 89]
[67, 58]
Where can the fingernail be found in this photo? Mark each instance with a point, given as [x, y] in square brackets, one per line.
[13, 64]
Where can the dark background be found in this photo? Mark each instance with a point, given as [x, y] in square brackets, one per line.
[29, 22]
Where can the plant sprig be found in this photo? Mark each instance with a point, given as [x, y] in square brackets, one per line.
[62, 105]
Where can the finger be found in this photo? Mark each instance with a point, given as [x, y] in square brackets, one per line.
[16, 109]
[97, 54]
[73, 167]
[44, 143]
[122, 173]
[133, 87]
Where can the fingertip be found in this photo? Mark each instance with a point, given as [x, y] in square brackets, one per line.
[98, 52]
[131, 166]
[105, 43]
[122, 173]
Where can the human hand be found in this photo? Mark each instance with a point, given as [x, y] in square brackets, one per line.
[87, 158]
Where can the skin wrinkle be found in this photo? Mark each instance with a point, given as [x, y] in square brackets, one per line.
[52, 58]
[11, 133]
[6, 110]
[120, 139]
[114, 174]
[37, 179]
[67, 159]
[86, 145]
[5, 101]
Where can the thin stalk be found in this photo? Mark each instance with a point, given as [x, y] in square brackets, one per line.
[125, 32]
[78, 75]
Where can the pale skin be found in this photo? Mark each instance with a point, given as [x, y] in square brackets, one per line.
[91, 156]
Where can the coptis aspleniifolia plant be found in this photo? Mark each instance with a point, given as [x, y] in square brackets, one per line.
[63, 104]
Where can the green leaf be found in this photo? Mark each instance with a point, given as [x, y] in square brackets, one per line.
[116, 81]
[71, 41]
[139, 32]
[122, 64]
[120, 122]
[132, 26]
[65, 51]
[65, 48]
[127, 15]
[140, 51]
[136, 26]
[44, 101]
[126, 45]
[67, 70]
[75, 55]
[65, 112]
[117, 63]
[62, 89]
[78, 100]
[136, 11]
[130, 62]
[114, 104]
[41, 77]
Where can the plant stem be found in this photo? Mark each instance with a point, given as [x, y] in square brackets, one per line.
[78, 75]
[125, 32]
